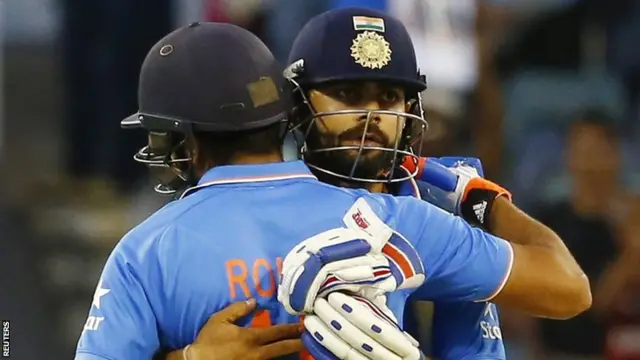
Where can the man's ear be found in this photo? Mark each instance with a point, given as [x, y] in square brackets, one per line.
[194, 152]
[410, 106]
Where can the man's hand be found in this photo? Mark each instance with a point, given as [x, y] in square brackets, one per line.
[456, 185]
[541, 261]
[221, 339]
[355, 328]
[365, 258]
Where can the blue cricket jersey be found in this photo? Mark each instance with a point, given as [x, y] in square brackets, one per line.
[224, 241]
[460, 330]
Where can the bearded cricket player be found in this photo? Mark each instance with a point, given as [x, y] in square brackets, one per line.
[357, 113]
[211, 102]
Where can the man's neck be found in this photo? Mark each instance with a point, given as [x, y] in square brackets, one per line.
[245, 159]
[378, 187]
[256, 159]
[370, 187]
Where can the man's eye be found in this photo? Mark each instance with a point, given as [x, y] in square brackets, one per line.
[348, 95]
[390, 96]
[345, 93]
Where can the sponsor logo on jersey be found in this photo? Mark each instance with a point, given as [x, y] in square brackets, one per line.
[490, 326]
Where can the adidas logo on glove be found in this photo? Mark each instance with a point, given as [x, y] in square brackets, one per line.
[479, 210]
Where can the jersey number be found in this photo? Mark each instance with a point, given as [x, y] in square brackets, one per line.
[262, 318]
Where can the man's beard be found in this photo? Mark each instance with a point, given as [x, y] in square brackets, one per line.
[372, 164]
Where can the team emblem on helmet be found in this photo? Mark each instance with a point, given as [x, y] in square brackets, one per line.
[371, 50]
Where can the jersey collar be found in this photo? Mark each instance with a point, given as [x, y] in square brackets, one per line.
[242, 174]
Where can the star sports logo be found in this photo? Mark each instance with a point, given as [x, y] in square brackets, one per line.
[490, 326]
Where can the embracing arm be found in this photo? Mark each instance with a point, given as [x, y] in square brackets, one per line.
[221, 339]
[542, 263]
[531, 271]
[176, 355]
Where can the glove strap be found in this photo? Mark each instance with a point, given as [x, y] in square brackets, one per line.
[478, 200]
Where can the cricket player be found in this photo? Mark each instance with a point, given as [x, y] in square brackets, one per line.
[356, 91]
[210, 100]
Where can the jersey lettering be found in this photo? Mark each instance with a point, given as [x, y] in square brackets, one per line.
[93, 322]
[490, 331]
[490, 327]
[261, 281]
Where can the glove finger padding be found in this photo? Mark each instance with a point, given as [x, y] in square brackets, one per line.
[377, 321]
[339, 326]
[304, 267]
[307, 283]
[371, 272]
[324, 344]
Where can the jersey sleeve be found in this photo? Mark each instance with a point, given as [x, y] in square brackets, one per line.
[121, 323]
[462, 263]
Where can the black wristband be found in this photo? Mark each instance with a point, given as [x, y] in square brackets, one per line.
[476, 208]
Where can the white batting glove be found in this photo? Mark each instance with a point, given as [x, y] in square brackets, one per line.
[355, 328]
[456, 184]
[366, 256]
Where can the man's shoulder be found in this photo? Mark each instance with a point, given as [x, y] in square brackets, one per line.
[146, 236]
[378, 201]
[172, 215]
[405, 214]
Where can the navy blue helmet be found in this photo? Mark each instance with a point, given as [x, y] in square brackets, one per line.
[356, 45]
[205, 77]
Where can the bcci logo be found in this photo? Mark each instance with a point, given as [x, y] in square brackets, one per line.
[371, 50]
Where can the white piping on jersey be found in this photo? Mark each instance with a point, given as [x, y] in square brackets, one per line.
[248, 179]
[265, 178]
[504, 279]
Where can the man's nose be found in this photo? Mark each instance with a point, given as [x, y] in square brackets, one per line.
[371, 115]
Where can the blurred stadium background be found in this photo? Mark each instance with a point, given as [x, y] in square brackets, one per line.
[546, 92]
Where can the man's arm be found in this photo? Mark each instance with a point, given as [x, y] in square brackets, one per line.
[121, 322]
[221, 339]
[464, 263]
[546, 280]
[541, 261]
[176, 355]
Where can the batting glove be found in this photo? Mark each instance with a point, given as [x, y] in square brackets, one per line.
[455, 184]
[356, 328]
[366, 257]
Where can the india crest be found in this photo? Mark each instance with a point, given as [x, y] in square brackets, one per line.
[371, 50]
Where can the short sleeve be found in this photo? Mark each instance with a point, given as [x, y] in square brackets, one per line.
[121, 323]
[462, 263]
